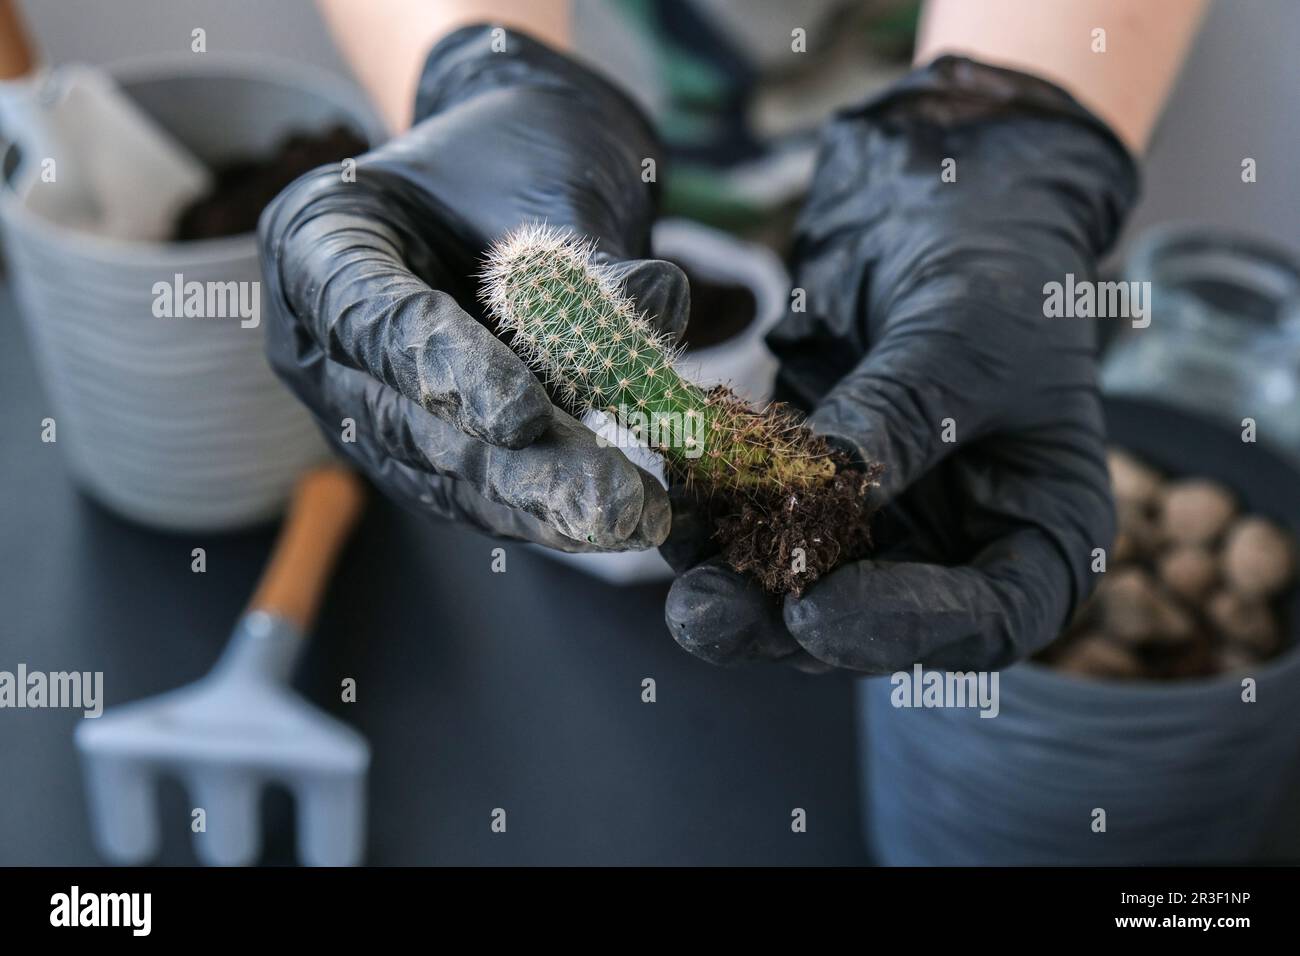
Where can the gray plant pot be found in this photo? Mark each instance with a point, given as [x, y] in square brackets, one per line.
[175, 423]
[1186, 772]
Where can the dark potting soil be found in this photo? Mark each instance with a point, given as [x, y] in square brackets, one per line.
[829, 524]
[785, 538]
[719, 310]
[243, 188]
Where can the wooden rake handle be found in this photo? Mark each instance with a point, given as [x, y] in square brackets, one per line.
[17, 56]
[325, 506]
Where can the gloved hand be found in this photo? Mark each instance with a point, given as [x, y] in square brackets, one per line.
[925, 346]
[372, 295]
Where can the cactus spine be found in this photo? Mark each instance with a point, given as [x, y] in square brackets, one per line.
[576, 328]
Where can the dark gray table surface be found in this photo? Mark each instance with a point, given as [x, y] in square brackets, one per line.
[476, 690]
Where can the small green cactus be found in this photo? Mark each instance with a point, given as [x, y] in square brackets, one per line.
[571, 321]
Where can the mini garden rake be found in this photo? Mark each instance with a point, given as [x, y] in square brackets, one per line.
[242, 725]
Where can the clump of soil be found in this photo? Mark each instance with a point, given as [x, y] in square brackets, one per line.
[243, 188]
[786, 541]
[785, 537]
[1194, 588]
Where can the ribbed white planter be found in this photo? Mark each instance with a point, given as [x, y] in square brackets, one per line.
[177, 423]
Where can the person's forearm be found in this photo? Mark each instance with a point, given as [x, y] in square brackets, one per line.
[1126, 85]
[386, 41]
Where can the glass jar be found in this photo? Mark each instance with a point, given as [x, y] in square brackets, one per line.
[1224, 337]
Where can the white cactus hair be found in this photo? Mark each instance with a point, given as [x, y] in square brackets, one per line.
[548, 258]
[534, 245]
[571, 320]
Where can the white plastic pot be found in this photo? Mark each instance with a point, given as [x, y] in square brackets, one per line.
[743, 363]
[177, 423]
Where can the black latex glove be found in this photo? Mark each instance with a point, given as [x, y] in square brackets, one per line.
[373, 299]
[925, 303]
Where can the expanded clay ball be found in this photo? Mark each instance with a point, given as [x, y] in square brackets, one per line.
[1189, 587]
[1133, 482]
[1189, 571]
[1124, 549]
[1244, 622]
[1137, 535]
[1196, 511]
[1135, 611]
[1257, 558]
[1095, 655]
[1232, 658]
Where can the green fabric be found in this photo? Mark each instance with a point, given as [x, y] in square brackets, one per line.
[696, 92]
[703, 193]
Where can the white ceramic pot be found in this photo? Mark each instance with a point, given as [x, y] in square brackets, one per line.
[177, 423]
[743, 363]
